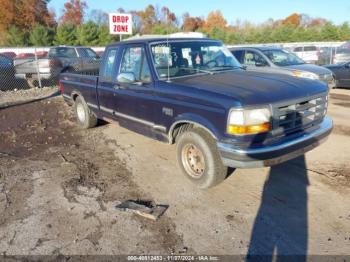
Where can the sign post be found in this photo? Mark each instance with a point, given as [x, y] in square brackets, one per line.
[120, 24]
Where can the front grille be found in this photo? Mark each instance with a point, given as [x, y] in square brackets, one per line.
[295, 116]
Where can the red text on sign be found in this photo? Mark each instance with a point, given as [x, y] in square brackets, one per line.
[120, 19]
[121, 28]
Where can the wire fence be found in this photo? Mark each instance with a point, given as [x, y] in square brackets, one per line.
[29, 75]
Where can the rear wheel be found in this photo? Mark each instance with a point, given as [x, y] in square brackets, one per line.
[33, 82]
[199, 158]
[85, 117]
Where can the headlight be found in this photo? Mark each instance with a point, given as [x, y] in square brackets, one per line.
[304, 74]
[250, 121]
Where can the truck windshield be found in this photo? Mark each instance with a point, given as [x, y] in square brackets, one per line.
[283, 58]
[183, 58]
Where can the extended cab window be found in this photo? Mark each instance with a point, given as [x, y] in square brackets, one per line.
[134, 61]
[108, 66]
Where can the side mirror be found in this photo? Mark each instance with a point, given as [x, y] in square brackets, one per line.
[126, 78]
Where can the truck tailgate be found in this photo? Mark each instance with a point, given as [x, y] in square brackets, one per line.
[29, 66]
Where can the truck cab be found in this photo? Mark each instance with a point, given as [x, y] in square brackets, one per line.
[193, 92]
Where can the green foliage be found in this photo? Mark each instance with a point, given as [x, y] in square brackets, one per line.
[162, 29]
[329, 32]
[41, 36]
[104, 37]
[344, 31]
[283, 33]
[16, 37]
[88, 34]
[218, 33]
[66, 35]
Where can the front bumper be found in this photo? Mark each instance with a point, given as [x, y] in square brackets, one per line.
[331, 84]
[233, 156]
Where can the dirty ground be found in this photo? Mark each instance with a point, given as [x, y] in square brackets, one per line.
[59, 186]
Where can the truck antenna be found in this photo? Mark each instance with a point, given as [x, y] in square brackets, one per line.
[167, 42]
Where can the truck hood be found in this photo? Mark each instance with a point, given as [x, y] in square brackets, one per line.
[319, 70]
[252, 88]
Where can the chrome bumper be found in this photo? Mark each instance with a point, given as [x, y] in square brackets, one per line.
[46, 76]
[274, 154]
[332, 84]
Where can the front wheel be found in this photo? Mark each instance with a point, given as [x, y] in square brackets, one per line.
[85, 117]
[199, 158]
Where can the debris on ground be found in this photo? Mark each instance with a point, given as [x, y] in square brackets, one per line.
[143, 208]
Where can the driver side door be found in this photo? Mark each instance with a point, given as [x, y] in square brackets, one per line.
[134, 91]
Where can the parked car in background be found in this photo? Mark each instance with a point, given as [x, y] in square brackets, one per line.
[346, 45]
[326, 56]
[342, 73]
[341, 56]
[25, 55]
[279, 61]
[309, 54]
[59, 59]
[7, 72]
[41, 54]
[11, 55]
[194, 93]
[100, 53]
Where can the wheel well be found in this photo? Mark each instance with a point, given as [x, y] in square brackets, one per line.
[179, 129]
[74, 96]
[182, 127]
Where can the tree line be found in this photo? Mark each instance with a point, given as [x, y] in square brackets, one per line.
[31, 23]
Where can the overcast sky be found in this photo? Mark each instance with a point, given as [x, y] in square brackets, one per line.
[255, 11]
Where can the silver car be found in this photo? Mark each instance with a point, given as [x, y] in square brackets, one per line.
[279, 61]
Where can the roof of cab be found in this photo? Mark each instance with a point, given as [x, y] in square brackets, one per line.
[261, 48]
[161, 39]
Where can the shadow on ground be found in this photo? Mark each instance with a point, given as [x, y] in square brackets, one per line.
[281, 227]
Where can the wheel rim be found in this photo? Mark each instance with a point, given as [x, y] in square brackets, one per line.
[81, 113]
[193, 160]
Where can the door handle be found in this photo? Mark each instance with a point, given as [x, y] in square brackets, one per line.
[119, 86]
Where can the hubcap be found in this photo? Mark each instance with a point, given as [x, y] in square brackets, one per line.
[193, 160]
[81, 113]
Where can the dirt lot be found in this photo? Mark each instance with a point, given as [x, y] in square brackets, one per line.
[59, 186]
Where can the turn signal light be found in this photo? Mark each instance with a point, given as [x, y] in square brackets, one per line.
[248, 130]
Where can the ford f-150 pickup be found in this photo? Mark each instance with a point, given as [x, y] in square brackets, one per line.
[194, 93]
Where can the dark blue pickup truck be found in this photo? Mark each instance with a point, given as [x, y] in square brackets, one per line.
[195, 93]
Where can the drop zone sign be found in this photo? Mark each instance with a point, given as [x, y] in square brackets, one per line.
[120, 24]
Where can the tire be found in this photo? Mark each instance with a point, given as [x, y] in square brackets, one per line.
[199, 158]
[33, 82]
[85, 117]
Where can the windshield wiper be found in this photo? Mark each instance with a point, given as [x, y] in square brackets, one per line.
[228, 67]
[198, 70]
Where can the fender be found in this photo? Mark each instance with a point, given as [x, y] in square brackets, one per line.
[76, 93]
[195, 119]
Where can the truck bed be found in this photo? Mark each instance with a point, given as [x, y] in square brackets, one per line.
[80, 83]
